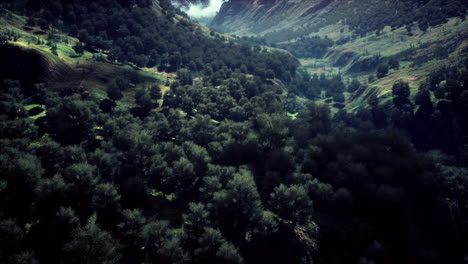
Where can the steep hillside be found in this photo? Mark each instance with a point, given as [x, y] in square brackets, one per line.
[246, 17]
[415, 54]
[281, 20]
[352, 38]
[36, 56]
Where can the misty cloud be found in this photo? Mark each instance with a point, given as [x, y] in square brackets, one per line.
[200, 11]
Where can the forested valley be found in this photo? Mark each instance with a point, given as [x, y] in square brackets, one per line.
[130, 134]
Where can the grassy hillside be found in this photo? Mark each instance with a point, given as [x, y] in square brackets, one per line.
[418, 53]
[67, 68]
[92, 72]
[351, 38]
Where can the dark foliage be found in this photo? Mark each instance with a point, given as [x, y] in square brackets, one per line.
[309, 47]
[221, 174]
[134, 33]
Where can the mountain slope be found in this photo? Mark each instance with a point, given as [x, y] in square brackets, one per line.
[260, 16]
[352, 38]
[417, 54]
[286, 19]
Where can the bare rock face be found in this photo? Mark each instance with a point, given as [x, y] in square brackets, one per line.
[245, 17]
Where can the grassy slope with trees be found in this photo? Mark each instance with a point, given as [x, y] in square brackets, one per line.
[376, 42]
[220, 173]
[408, 55]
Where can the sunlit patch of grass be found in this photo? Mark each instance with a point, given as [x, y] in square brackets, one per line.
[293, 116]
[156, 193]
[31, 106]
[99, 94]
[182, 113]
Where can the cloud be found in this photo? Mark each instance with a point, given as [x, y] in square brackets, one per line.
[200, 11]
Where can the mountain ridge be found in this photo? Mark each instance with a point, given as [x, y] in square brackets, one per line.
[256, 16]
[259, 17]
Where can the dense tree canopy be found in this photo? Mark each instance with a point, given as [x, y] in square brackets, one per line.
[215, 170]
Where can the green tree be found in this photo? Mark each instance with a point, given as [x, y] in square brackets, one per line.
[3, 39]
[228, 253]
[382, 70]
[20, 175]
[373, 100]
[143, 99]
[114, 92]
[83, 179]
[106, 202]
[238, 207]
[314, 120]
[393, 63]
[354, 85]
[291, 203]
[184, 77]
[213, 248]
[401, 92]
[79, 48]
[196, 219]
[423, 98]
[339, 98]
[11, 236]
[107, 105]
[130, 230]
[401, 89]
[273, 131]
[92, 245]
[155, 92]
[161, 244]
[72, 121]
[183, 177]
